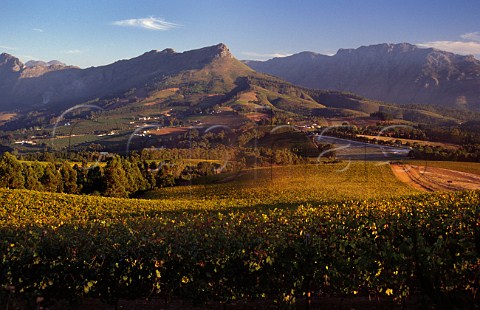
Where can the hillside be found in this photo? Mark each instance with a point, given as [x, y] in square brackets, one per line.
[397, 73]
[200, 88]
[201, 78]
[37, 86]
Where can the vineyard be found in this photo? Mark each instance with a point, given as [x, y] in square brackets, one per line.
[296, 184]
[198, 248]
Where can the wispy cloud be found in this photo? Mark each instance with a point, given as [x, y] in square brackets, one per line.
[260, 56]
[74, 51]
[150, 23]
[37, 29]
[27, 57]
[8, 47]
[469, 45]
[457, 47]
[471, 36]
[329, 53]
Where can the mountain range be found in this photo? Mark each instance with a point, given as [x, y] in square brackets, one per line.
[40, 84]
[211, 76]
[397, 73]
[208, 87]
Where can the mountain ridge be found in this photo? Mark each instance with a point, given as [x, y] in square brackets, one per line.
[36, 86]
[400, 73]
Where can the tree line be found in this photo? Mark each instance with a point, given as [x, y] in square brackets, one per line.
[118, 177]
[126, 176]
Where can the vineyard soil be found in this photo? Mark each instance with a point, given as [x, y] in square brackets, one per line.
[431, 179]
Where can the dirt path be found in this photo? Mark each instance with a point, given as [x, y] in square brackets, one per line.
[432, 179]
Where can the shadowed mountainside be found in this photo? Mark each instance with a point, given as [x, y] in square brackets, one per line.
[398, 73]
[38, 84]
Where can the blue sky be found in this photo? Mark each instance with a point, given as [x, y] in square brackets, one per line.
[91, 33]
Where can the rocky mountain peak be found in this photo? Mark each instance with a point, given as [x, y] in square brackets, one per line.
[40, 63]
[56, 63]
[10, 62]
[5, 56]
[215, 51]
[222, 51]
[168, 51]
[383, 48]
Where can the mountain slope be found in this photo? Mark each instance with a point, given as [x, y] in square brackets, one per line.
[27, 87]
[203, 86]
[399, 73]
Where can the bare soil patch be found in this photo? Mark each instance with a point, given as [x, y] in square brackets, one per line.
[256, 116]
[432, 179]
[249, 97]
[4, 117]
[168, 131]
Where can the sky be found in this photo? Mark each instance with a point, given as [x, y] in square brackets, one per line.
[91, 33]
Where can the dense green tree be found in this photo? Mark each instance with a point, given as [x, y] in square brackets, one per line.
[51, 179]
[149, 172]
[11, 172]
[95, 182]
[116, 181]
[32, 174]
[135, 178]
[168, 173]
[82, 180]
[69, 178]
[285, 157]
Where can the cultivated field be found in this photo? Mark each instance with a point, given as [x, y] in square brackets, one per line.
[280, 236]
[293, 185]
